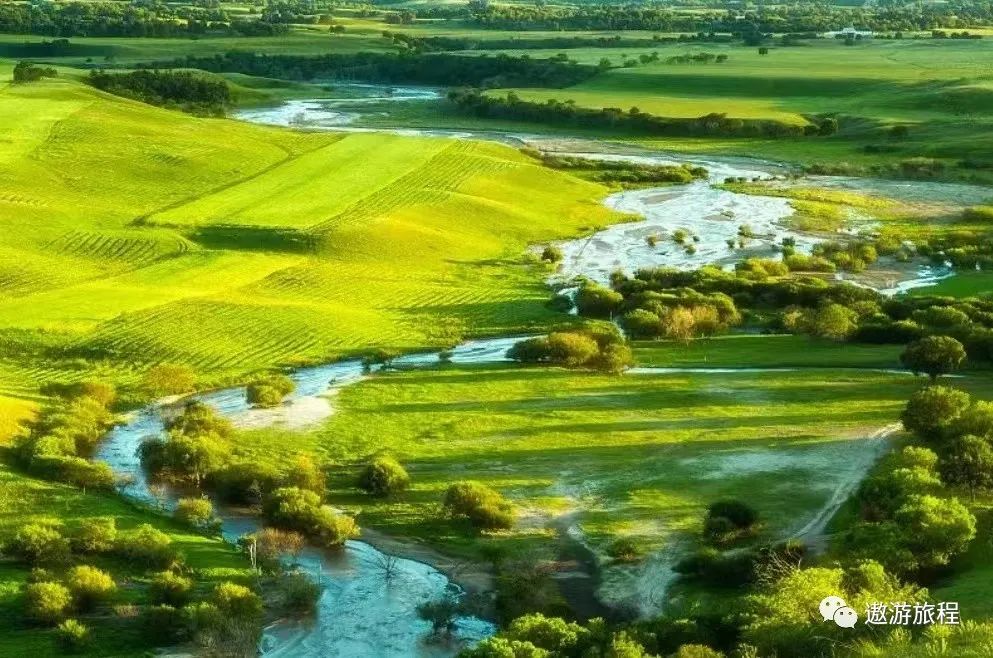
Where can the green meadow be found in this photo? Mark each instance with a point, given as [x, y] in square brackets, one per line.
[139, 235]
[135, 235]
[638, 455]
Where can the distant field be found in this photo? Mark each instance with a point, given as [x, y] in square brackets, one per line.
[143, 235]
[893, 81]
[760, 351]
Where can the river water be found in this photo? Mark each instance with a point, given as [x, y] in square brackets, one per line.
[363, 612]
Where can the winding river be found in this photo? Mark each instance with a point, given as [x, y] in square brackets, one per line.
[364, 612]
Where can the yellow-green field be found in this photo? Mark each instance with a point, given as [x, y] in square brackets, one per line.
[136, 235]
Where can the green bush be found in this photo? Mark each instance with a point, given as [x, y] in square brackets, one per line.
[89, 586]
[203, 621]
[195, 512]
[269, 391]
[237, 602]
[47, 603]
[298, 593]
[72, 636]
[640, 323]
[978, 214]
[596, 301]
[170, 588]
[551, 254]
[245, 482]
[292, 508]
[384, 477]
[484, 507]
[147, 546]
[163, 625]
[94, 535]
[729, 520]
[625, 549]
[39, 544]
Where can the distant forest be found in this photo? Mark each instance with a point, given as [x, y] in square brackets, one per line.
[179, 89]
[430, 69]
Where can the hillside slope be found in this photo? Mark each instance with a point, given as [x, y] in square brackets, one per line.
[134, 235]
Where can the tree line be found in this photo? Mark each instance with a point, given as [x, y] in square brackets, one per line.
[429, 69]
[799, 17]
[181, 89]
[111, 19]
[512, 107]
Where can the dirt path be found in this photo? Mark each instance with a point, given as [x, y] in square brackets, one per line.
[864, 456]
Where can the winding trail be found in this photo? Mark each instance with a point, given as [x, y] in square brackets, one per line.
[868, 451]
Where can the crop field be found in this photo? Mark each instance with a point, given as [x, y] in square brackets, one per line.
[233, 247]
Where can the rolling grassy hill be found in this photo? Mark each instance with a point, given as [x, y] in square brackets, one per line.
[135, 235]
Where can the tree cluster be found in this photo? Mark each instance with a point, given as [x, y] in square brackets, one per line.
[112, 19]
[908, 521]
[634, 120]
[429, 69]
[28, 72]
[772, 299]
[623, 173]
[184, 90]
[599, 348]
[58, 442]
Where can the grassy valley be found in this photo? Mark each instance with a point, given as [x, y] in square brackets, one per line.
[723, 274]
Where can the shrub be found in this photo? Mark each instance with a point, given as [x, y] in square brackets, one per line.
[481, 505]
[270, 544]
[978, 214]
[441, 613]
[204, 621]
[613, 359]
[571, 349]
[298, 594]
[245, 482]
[237, 602]
[305, 474]
[625, 549]
[89, 586]
[169, 379]
[47, 603]
[831, 321]
[170, 588]
[163, 625]
[551, 254]
[40, 544]
[931, 410]
[147, 546]
[384, 477]
[295, 509]
[72, 636]
[269, 391]
[95, 535]
[729, 520]
[640, 323]
[933, 356]
[195, 512]
[596, 301]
